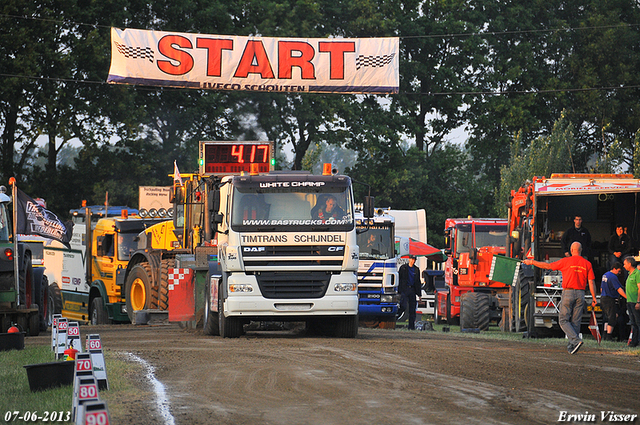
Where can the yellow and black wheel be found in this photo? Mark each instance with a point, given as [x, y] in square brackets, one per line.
[138, 293]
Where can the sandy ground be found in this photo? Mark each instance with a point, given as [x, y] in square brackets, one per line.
[381, 377]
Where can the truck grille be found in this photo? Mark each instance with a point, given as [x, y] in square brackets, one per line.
[370, 280]
[287, 285]
[293, 256]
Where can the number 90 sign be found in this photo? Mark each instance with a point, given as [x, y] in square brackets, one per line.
[98, 417]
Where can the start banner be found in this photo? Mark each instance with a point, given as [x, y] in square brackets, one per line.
[224, 62]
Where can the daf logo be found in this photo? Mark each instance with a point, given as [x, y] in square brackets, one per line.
[336, 248]
[253, 249]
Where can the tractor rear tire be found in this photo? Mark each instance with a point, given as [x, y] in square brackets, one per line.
[521, 302]
[163, 289]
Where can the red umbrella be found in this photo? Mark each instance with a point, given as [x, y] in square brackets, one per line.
[421, 249]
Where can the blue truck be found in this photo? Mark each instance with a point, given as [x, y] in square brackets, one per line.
[378, 269]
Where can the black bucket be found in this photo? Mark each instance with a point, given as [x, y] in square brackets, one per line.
[12, 341]
[50, 375]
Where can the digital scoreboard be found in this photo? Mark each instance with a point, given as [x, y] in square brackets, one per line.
[227, 158]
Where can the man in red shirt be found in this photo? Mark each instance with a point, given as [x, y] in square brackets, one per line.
[576, 273]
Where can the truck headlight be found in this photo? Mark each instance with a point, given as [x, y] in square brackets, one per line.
[345, 287]
[386, 299]
[240, 287]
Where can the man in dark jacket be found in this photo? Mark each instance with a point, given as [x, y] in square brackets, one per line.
[577, 234]
[619, 246]
[409, 287]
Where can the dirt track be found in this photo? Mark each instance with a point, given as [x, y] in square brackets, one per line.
[381, 377]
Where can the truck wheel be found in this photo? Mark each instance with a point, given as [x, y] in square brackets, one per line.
[230, 327]
[99, 314]
[34, 324]
[138, 292]
[475, 311]
[22, 322]
[42, 299]
[211, 322]
[467, 308]
[26, 281]
[521, 300]
[437, 319]
[54, 302]
[483, 311]
[163, 289]
[451, 320]
[346, 327]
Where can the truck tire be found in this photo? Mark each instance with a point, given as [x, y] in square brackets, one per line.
[467, 308]
[437, 319]
[163, 288]
[99, 314]
[211, 320]
[34, 324]
[483, 311]
[41, 290]
[475, 311]
[229, 327]
[26, 281]
[138, 290]
[451, 320]
[5, 323]
[54, 302]
[22, 322]
[522, 315]
[346, 327]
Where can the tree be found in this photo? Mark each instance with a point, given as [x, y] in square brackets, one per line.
[544, 156]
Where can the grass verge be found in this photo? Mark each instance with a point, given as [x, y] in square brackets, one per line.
[16, 396]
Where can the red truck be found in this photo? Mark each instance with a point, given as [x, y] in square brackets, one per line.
[470, 298]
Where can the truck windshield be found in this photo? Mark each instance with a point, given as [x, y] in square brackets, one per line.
[127, 244]
[292, 207]
[376, 244]
[486, 235]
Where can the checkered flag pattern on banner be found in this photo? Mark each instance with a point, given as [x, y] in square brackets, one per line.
[373, 61]
[135, 52]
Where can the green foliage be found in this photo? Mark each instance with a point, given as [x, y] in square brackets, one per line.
[15, 394]
[544, 156]
[498, 68]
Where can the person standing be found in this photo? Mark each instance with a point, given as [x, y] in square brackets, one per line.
[409, 287]
[619, 245]
[576, 273]
[633, 305]
[611, 291]
[576, 234]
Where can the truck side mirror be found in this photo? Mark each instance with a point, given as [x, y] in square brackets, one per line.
[447, 242]
[473, 255]
[368, 208]
[177, 195]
